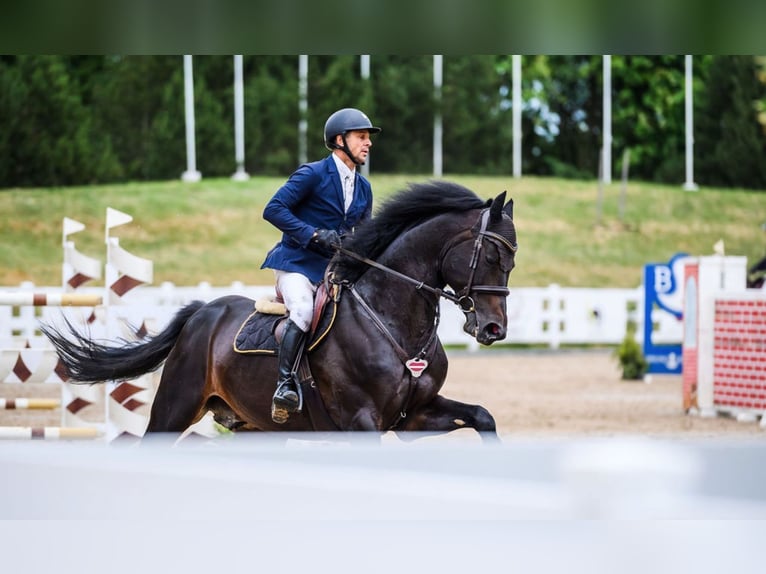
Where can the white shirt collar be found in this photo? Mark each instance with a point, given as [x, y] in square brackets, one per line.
[343, 170]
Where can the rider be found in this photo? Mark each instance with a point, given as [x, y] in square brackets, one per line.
[319, 204]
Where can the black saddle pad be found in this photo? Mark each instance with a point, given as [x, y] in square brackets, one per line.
[256, 335]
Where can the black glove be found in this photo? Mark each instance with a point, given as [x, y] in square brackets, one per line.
[326, 239]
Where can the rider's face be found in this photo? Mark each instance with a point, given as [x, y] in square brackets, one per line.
[359, 143]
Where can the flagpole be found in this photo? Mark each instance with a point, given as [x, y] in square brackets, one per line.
[438, 69]
[191, 174]
[516, 72]
[239, 122]
[606, 172]
[364, 72]
[689, 112]
[303, 106]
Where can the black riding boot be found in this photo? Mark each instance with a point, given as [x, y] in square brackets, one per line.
[285, 399]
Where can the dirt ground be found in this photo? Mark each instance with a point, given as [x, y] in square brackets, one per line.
[578, 393]
[532, 394]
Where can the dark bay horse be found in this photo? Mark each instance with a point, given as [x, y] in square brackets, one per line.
[393, 270]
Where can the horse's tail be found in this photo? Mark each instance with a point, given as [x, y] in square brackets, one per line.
[87, 361]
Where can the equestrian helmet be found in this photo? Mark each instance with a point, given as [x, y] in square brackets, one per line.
[344, 121]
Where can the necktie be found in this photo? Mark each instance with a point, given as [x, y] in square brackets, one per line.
[348, 191]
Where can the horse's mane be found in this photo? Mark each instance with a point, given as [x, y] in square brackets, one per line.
[400, 212]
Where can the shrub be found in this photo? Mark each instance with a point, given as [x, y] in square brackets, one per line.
[630, 355]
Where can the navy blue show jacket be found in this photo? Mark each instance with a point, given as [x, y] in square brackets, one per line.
[311, 199]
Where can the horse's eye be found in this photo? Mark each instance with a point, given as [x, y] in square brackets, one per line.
[492, 255]
[507, 263]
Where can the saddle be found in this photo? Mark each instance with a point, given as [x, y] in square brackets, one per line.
[261, 332]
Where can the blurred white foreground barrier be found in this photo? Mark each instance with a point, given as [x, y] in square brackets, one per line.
[350, 477]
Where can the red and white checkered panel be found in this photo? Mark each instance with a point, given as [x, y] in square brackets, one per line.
[739, 357]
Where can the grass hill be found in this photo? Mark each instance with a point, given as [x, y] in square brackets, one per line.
[213, 230]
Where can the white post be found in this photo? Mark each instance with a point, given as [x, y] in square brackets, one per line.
[191, 173]
[516, 70]
[689, 109]
[239, 122]
[606, 172]
[364, 69]
[438, 116]
[303, 106]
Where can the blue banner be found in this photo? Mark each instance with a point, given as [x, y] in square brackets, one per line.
[662, 282]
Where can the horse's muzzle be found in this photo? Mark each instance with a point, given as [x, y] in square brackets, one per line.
[487, 334]
[490, 333]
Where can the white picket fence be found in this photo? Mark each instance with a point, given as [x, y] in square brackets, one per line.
[543, 316]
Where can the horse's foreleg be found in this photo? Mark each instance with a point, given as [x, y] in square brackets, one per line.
[443, 415]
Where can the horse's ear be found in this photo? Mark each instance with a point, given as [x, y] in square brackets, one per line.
[496, 209]
[509, 208]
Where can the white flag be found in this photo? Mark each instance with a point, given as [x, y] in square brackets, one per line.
[718, 248]
[72, 226]
[115, 218]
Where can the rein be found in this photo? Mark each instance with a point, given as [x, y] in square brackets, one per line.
[418, 284]
[381, 327]
[416, 365]
[463, 298]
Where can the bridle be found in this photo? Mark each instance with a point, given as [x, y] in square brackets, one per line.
[463, 298]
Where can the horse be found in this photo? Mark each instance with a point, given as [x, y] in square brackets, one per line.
[379, 368]
[756, 275]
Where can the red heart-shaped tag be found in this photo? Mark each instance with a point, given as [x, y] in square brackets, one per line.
[416, 366]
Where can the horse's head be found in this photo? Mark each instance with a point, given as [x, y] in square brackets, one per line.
[477, 267]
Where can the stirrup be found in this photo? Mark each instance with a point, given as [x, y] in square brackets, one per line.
[281, 406]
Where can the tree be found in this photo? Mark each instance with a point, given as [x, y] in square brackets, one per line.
[271, 114]
[478, 125]
[574, 95]
[88, 119]
[126, 105]
[48, 136]
[648, 115]
[404, 107]
[730, 142]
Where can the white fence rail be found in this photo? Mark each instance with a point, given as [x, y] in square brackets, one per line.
[550, 316]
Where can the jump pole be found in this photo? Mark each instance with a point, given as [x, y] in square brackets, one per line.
[29, 404]
[48, 433]
[50, 299]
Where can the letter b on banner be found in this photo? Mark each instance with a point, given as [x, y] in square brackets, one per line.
[663, 279]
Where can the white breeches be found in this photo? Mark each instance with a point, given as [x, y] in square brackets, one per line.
[298, 294]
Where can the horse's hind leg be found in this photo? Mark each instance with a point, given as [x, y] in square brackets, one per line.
[179, 401]
[444, 415]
